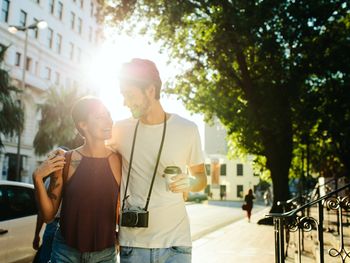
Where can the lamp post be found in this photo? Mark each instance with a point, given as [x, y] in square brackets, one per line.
[13, 30]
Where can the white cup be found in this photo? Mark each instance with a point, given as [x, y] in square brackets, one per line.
[169, 173]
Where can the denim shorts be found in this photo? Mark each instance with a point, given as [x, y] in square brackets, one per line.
[177, 254]
[62, 253]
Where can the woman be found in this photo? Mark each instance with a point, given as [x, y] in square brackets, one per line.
[249, 203]
[87, 181]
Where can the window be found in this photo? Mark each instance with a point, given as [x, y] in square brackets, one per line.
[47, 73]
[5, 7]
[18, 202]
[207, 169]
[38, 1]
[239, 169]
[81, 3]
[28, 64]
[23, 18]
[36, 70]
[80, 25]
[52, 6]
[240, 191]
[91, 8]
[57, 78]
[58, 43]
[71, 51]
[79, 55]
[223, 169]
[35, 32]
[60, 10]
[96, 36]
[49, 37]
[18, 59]
[72, 20]
[90, 34]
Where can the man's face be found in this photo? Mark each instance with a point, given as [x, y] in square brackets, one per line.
[136, 99]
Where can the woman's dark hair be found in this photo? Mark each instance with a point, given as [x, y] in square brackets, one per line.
[82, 108]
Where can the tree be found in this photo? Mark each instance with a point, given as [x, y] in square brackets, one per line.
[325, 100]
[247, 62]
[56, 127]
[11, 114]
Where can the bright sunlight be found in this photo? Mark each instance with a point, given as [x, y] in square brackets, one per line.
[102, 73]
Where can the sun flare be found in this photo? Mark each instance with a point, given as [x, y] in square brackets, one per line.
[101, 75]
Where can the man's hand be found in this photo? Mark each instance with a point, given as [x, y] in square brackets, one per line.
[58, 151]
[181, 184]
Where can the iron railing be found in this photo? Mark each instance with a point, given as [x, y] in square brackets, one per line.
[296, 221]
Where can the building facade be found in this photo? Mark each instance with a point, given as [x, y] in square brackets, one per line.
[227, 179]
[55, 56]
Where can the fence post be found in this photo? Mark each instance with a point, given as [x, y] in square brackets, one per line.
[320, 231]
[279, 240]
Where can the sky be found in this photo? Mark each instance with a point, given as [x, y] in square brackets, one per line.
[103, 73]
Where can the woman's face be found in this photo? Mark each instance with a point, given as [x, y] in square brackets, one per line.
[99, 123]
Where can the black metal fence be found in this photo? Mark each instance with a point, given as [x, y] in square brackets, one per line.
[309, 217]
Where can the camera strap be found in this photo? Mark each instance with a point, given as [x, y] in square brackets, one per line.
[155, 168]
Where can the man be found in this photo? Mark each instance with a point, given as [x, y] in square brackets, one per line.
[166, 237]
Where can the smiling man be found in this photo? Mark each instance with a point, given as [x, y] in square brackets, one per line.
[154, 222]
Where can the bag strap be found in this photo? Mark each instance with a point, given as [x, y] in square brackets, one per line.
[68, 157]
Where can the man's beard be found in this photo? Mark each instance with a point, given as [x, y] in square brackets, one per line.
[141, 110]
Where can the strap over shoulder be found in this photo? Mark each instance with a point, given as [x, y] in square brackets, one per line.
[68, 157]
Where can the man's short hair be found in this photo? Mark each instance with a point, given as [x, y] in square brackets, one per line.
[141, 72]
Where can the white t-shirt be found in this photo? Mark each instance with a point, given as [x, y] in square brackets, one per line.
[168, 221]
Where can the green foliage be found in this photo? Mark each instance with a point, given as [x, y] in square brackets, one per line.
[273, 72]
[11, 113]
[56, 126]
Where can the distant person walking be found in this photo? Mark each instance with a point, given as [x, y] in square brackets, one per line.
[249, 203]
[267, 197]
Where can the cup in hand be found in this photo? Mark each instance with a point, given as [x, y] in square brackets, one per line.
[169, 173]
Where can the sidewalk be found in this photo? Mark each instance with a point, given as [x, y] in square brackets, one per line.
[209, 217]
[238, 242]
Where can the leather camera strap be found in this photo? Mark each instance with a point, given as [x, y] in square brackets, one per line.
[156, 166]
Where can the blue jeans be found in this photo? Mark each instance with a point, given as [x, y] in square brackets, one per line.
[46, 247]
[62, 253]
[155, 255]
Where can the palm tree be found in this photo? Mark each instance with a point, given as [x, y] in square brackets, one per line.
[56, 126]
[11, 113]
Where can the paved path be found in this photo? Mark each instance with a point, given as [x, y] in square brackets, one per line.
[238, 242]
[206, 218]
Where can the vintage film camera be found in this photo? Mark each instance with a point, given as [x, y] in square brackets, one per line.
[134, 217]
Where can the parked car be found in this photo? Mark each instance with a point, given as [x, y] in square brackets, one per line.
[17, 221]
[197, 197]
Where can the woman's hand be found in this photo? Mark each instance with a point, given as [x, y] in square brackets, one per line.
[52, 164]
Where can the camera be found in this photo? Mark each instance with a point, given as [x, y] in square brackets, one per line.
[134, 217]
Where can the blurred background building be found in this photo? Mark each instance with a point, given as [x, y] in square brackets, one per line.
[55, 55]
[227, 178]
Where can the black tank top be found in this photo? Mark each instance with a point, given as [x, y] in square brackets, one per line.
[89, 201]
